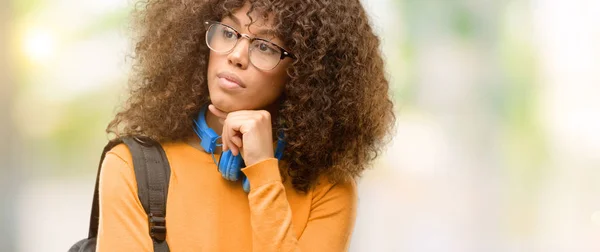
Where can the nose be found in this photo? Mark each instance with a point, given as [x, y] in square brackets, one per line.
[239, 55]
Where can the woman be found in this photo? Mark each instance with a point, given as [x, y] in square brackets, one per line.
[305, 73]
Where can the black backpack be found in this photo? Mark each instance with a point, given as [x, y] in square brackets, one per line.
[152, 172]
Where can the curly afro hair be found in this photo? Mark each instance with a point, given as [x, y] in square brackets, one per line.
[336, 112]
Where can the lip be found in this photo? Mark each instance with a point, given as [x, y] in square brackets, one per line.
[231, 77]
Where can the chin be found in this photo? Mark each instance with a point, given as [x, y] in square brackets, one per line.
[229, 103]
[226, 103]
[222, 105]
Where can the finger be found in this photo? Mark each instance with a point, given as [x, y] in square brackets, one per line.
[251, 119]
[217, 112]
[234, 140]
[234, 151]
[235, 148]
[241, 152]
[228, 137]
[237, 140]
[240, 123]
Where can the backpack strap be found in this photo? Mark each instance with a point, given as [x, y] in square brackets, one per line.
[152, 172]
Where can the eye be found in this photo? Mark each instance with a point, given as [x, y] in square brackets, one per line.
[265, 47]
[228, 33]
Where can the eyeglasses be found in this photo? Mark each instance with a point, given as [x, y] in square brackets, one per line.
[262, 53]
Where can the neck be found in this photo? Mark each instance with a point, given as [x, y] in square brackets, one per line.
[213, 122]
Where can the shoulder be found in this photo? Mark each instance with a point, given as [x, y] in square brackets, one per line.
[334, 200]
[117, 165]
[327, 189]
[121, 152]
[117, 176]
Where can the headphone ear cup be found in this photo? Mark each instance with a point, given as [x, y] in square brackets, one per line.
[230, 166]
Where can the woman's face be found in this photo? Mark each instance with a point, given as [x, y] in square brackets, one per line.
[234, 83]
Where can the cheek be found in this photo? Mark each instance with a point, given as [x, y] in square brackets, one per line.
[276, 82]
[267, 89]
[280, 76]
[213, 61]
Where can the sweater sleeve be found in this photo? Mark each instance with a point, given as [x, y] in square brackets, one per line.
[331, 218]
[123, 224]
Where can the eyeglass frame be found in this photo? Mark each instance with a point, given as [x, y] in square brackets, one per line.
[284, 52]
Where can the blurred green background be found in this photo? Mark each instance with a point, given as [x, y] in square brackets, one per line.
[498, 134]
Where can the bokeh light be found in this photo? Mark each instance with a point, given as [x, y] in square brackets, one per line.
[39, 44]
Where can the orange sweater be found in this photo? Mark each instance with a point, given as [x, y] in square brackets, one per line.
[208, 213]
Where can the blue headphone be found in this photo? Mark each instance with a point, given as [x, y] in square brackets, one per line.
[229, 166]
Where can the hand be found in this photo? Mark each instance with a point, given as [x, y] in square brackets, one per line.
[246, 132]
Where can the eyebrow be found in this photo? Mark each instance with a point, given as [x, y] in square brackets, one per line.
[259, 32]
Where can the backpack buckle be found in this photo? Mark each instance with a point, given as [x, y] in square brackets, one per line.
[158, 228]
